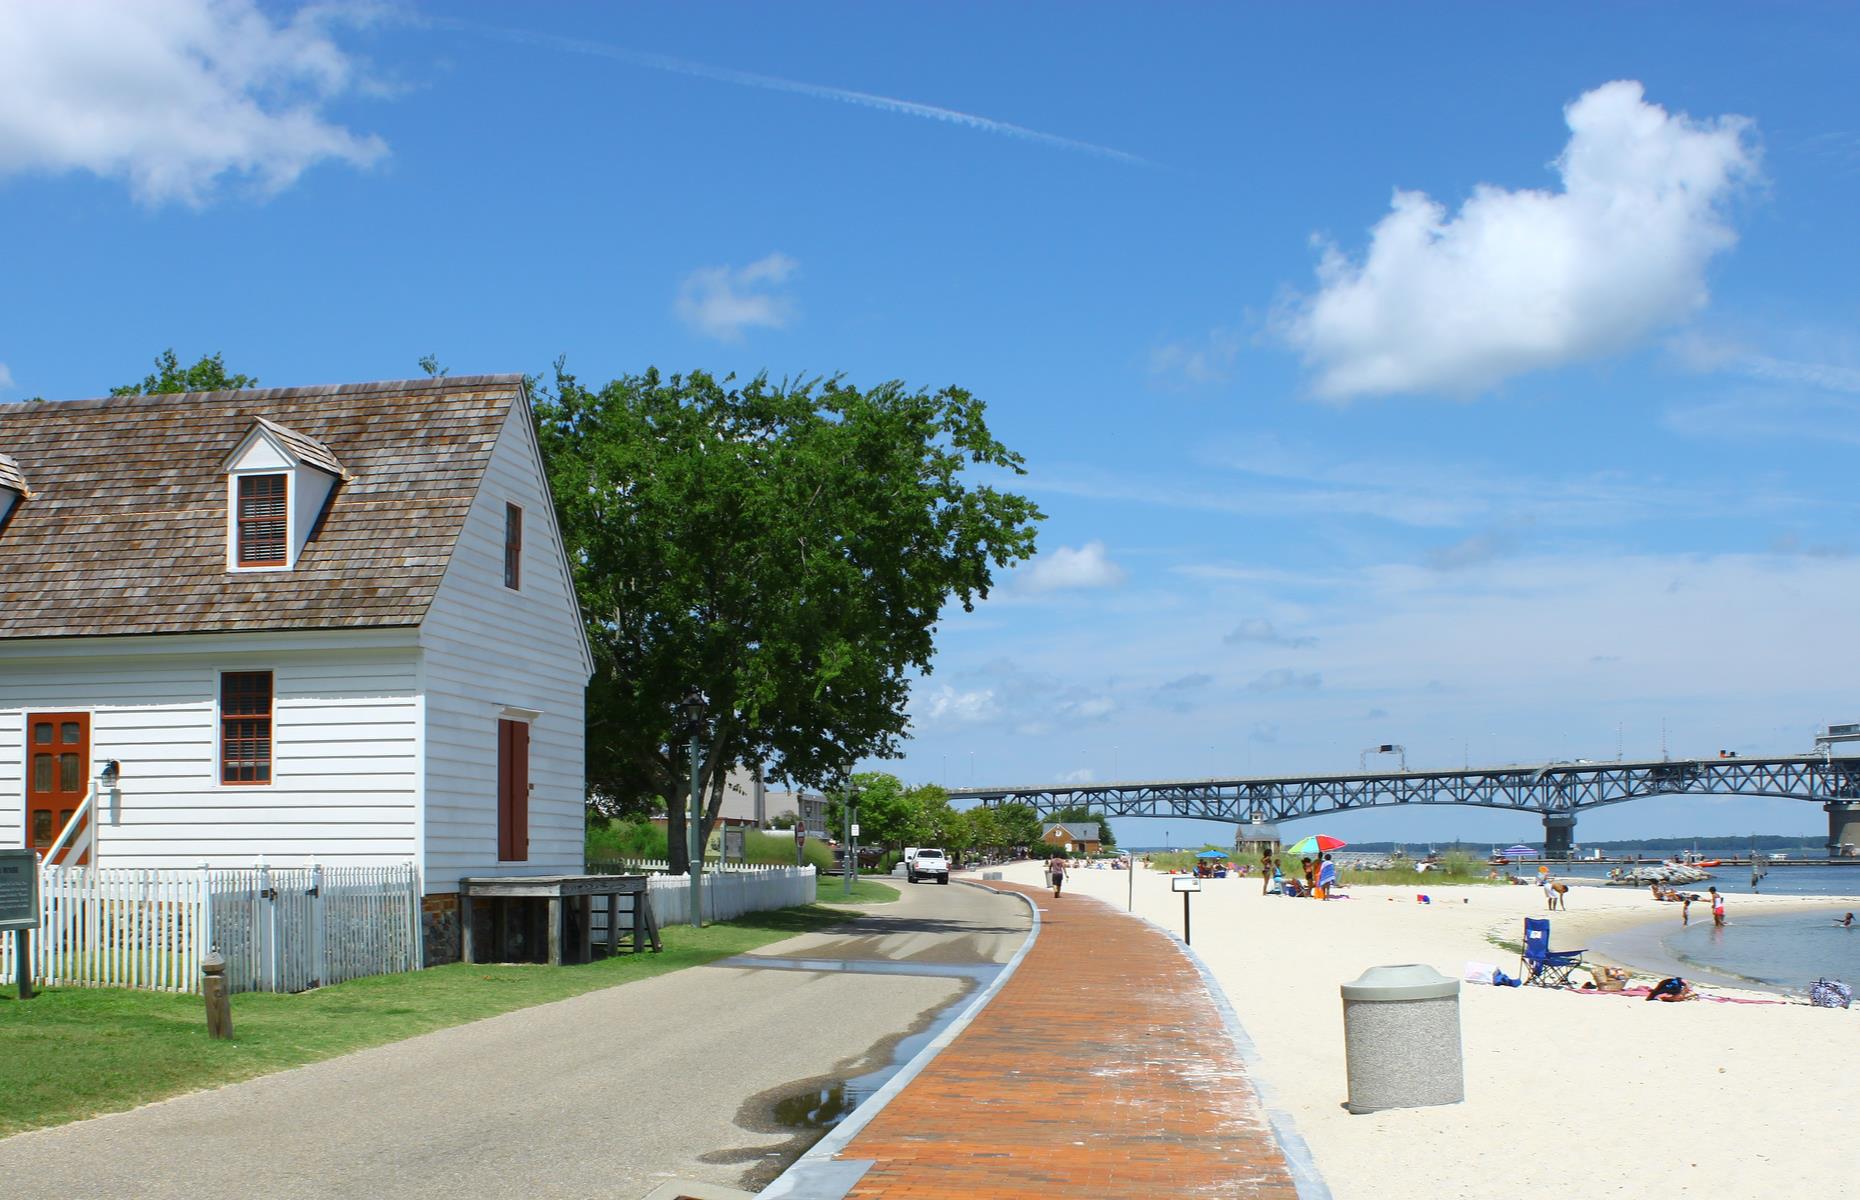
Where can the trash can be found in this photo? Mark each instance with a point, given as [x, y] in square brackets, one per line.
[1401, 1039]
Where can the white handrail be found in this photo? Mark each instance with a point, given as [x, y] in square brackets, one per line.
[65, 841]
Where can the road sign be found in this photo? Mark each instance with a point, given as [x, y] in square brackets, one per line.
[855, 830]
[19, 889]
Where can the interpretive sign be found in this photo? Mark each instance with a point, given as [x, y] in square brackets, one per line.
[19, 889]
[1185, 883]
[733, 845]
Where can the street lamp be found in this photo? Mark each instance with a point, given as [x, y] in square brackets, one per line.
[693, 708]
[852, 834]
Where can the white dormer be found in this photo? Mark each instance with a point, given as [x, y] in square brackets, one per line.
[12, 486]
[277, 483]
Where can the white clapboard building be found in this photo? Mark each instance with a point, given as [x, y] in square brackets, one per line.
[328, 625]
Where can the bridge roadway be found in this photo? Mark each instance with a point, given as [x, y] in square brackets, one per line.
[1556, 791]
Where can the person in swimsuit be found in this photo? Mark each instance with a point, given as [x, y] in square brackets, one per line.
[1717, 905]
[1672, 990]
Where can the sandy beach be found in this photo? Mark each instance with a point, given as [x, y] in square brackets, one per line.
[1625, 1097]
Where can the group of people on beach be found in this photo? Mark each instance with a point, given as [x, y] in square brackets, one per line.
[1685, 899]
[1317, 878]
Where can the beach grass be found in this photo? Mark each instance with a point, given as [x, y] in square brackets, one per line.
[79, 1052]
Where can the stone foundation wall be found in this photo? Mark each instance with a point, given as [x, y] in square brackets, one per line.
[439, 918]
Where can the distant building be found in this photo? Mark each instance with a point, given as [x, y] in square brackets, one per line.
[1256, 837]
[749, 801]
[1072, 836]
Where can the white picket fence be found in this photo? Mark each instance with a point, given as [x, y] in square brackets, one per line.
[280, 929]
[658, 866]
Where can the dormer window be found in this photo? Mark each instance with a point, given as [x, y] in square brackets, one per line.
[12, 487]
[264, 520]
[278, 482]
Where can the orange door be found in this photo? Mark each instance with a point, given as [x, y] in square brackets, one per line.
[57, 774]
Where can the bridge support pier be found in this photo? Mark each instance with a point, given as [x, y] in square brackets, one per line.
[1559, 834]
[1843, 826]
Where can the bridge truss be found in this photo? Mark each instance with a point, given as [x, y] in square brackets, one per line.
[1555, 791]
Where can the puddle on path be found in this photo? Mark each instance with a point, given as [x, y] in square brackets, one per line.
[807, 1109]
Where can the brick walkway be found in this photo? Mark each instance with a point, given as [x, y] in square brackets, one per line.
[1100, 1070]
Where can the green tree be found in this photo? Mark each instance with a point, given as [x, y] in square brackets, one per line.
[787, 549]
[888, 813]
[207, 375]
[1019, 825]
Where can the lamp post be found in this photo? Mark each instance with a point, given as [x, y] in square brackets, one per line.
[852, 835]
[694, 833]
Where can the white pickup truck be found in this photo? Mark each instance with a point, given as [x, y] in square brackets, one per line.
[927, 863]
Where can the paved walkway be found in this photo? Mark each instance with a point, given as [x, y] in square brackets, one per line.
[1101, 1069]
[605, 1095]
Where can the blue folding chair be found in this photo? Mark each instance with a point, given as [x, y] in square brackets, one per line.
[1540, 964]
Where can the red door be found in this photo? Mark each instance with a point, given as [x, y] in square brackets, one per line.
[57, 775]
[513, 791]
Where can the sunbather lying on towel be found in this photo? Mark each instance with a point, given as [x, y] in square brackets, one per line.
[1672, 989]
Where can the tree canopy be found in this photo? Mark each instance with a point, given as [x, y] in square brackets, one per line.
[786, 549]
[207, 375]
[1084, 814]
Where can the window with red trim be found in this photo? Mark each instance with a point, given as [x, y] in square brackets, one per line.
[513, 547]
[245, 727]
[264, 516]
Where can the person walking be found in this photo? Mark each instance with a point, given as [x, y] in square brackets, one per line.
[1717, 905]
[1056, 873]
[1265, 873]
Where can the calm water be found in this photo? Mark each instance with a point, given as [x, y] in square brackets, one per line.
[1787, 952]
[1733, 881]
[1784, 951]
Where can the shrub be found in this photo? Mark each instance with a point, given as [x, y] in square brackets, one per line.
[611, 839]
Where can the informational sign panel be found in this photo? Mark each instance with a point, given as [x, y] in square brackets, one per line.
[800, 833]
[1184, 883]
[19, 889]
[855, 829]
[733, 845]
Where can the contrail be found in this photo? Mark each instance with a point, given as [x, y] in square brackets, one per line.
[890, 104]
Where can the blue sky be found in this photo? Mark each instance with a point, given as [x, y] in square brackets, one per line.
[1481, 381]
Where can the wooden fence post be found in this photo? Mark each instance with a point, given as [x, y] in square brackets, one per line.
[213, 987]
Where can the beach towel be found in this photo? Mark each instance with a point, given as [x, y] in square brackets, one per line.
[1478, 972]
[1830, 993]
[1641, 993]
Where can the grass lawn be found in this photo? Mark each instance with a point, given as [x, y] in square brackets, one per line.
[831, 889]
[78, 1052]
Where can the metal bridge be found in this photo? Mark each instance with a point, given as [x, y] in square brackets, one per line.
[1556, 791]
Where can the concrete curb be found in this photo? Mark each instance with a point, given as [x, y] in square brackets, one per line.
[1305, 1176]
[816, 1175]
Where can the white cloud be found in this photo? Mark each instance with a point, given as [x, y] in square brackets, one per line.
[173, 95]
[1285, 680]
[1082, 775]
[6, 378]
[1203, 361]
[956, 707]
[1523, 280]
[1258, 629]
[721, 302]
[1065, 568]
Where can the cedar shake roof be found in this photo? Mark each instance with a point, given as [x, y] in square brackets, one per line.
[10, 476]
[307, 449]
[126, 530]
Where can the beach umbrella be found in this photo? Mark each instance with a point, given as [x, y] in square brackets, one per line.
[1317, 843]
[1212, 854]
[1519, 852]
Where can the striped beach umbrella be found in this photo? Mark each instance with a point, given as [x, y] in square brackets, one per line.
[1317, 843]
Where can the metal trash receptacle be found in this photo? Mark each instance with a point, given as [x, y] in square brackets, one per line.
[1401, 1039]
